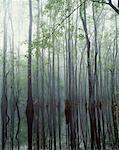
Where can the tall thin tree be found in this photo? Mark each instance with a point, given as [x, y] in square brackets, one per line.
[29, 108]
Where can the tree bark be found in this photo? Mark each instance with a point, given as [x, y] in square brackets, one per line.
[29, 108]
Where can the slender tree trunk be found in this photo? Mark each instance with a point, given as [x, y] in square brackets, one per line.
[17, 99]
[49, 106]
[12, 95]
[59, 101]
[113, 87]
[37, 78]
[29, 108]
[53, 91]
[43, 104]
[90, 82]
[4, 102]
[97, 101]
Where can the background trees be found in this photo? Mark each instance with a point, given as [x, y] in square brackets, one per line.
[68, 53]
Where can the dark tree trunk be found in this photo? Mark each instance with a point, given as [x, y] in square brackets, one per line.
[98, 142]
[12, 90]
[59, 102]
[90, 82]
[17, 100]
[37, 80]
[4, 101]
[29, 108]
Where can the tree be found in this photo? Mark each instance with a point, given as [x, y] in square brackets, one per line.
[4, 101]
[29, 108]
[90, 81]
[110, 3]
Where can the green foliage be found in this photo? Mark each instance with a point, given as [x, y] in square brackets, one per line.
[54, 3]
[58, 34]
[116, 92]
[81, 36]
[42, 43]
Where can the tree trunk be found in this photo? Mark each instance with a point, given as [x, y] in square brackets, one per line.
[4, 102]
[29, 108]
[90, 82]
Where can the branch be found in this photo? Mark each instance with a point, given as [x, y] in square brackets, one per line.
[7, 73]
[100, 2]
[110, 4]
[116, 9]
[63, 20]
[69, 14]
